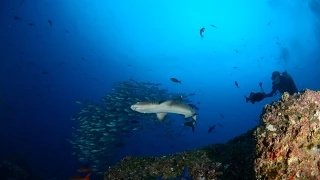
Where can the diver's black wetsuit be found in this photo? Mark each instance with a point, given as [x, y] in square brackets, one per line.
[282, 83]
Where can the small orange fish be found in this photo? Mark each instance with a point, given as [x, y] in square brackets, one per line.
[84, 169]
[81, 178]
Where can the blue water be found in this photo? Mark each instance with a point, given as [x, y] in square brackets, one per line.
[93, 44]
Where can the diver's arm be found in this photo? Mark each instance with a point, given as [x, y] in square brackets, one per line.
[272, 93]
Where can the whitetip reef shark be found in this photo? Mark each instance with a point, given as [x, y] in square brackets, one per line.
[161, 109]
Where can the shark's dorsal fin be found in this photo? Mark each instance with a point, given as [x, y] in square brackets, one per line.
[161, 116]
[168, 102]
[172, 101]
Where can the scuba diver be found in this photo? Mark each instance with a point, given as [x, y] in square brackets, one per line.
[281, 82]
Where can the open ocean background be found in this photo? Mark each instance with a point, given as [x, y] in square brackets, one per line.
[93, 44]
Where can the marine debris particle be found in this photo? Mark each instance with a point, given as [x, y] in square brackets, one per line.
[289, 148]
[102, 126]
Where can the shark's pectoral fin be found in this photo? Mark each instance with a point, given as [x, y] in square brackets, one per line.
[161, 116]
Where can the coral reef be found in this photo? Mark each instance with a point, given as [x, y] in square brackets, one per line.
[170, 166]
[285, 145]
[232, 160]
[288, 139]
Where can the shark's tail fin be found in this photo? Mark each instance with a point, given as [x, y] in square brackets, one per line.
[190, 124]
[194, 117]
[193, 123]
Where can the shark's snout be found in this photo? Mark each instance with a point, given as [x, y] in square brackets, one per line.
[133, 107]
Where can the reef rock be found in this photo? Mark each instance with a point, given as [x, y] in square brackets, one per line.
[288, 139]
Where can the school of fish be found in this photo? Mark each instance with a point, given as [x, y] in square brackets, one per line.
[103, 128]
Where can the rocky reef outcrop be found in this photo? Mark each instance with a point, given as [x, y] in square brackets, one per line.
[288, 141]
[285, 145]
